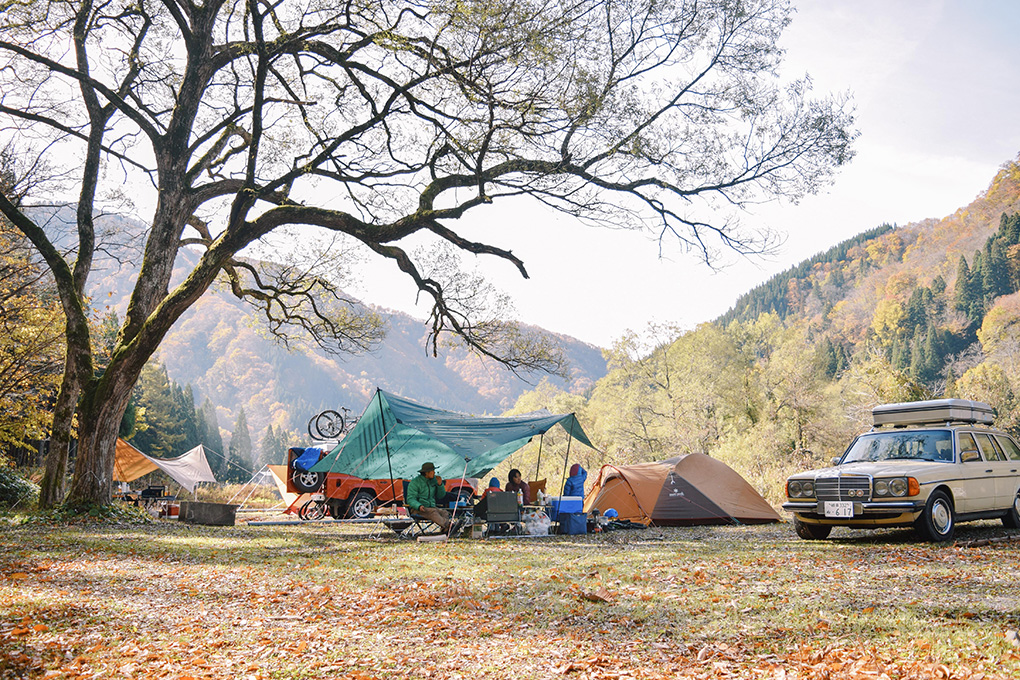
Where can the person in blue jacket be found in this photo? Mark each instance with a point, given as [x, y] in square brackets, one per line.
[574, 485]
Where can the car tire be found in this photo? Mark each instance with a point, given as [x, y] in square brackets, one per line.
[811, 532]
[361, 506]
[1012, 517]
[307, 482]
[937, 522]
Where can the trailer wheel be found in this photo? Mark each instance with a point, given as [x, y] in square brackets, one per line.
[307, 482]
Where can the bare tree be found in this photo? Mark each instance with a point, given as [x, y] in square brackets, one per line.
[380, 119]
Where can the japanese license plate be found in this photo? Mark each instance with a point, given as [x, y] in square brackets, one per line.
[839, 509]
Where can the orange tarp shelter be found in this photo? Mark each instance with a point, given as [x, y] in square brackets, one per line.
[130, 463]
[686, 490]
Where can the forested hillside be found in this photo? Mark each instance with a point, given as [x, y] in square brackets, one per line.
[789, 375]
[225, 361]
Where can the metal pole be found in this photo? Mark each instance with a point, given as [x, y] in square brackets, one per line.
[538, 465]
[566, 460]
[386, 441]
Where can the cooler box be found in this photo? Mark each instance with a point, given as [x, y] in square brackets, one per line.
[558, 504]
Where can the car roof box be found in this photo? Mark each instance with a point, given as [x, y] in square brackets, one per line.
[934, 411]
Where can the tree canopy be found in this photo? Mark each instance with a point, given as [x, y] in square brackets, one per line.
[378, 121]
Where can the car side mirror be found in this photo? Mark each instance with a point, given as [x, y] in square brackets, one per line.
[835, 461]
[969, 456]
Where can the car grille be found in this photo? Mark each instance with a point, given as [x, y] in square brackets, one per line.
[844, 488]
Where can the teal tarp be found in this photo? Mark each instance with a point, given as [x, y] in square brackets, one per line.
[396, 435]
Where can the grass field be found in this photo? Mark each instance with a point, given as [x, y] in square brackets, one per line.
[167, 600]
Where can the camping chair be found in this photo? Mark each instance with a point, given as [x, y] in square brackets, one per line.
[535, 487]
[500, 508]
[413, 526]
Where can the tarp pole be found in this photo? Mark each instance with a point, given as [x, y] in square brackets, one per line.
[538, 465]
[453, 515]
[566, 461]
[386, 441]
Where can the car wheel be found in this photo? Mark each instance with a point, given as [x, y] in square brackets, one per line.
[362, 506]
[811, 532]
[307, 482]
[937, 522]
[1012, 517]
[312, 510]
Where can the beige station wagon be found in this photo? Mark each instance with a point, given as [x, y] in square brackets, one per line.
[926, 464]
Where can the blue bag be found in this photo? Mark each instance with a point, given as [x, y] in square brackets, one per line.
[573, 523]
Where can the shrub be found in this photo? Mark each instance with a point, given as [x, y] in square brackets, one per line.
[16, 491]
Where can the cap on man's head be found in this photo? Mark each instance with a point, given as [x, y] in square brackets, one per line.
[426, 467]
[574, 469]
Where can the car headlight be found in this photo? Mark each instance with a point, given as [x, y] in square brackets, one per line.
[800, 488]
[897, 487]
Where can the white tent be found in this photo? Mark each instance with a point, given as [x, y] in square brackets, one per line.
[186, 470]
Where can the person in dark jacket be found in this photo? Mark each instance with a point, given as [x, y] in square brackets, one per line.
[574, 485]
[424, 494]
[515, 484]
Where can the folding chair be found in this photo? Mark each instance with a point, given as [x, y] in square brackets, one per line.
[413, 525]
[500, 508]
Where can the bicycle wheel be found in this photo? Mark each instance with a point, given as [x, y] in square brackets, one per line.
[329, 424]
[312, 510]
[311, 429]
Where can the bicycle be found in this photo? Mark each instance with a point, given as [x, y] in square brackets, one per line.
[331, 424]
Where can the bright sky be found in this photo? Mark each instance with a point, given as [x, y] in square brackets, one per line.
[935, 88]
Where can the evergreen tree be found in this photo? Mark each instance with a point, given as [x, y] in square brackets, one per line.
[828, 358]
[239, 456]
[273, 447]
[969, 294]
[185, 399]
[212, 440]
[160, 428]
[1009, 230]
[995, 276]
[961, 298]
[917, 308]
[900, 355]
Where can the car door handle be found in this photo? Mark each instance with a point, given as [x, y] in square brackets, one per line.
[989, 471]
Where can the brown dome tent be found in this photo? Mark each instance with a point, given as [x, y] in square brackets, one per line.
[689, 489]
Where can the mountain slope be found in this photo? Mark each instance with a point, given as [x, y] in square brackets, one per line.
[218, 348]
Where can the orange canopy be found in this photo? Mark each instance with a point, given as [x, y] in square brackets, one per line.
[187, 470]
[130, 463]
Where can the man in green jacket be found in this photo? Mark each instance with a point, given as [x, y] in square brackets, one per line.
[423, 495]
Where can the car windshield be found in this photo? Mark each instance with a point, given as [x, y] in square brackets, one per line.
[936, 445]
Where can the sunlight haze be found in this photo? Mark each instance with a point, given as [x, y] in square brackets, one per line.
[933, 84]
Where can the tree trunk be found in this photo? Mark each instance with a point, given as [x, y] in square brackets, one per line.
[98, 426]
[51, 492]
[77, 370]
